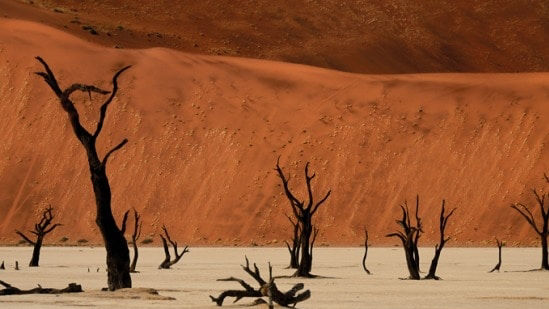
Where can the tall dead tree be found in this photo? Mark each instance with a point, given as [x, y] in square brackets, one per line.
[409, 238]
[304, 213]
[118, 257]
[41, 229]
[168, 262]
[365, 252]
[296, 244]
[498, 265]
[543, 230]
[443, 221]
[135, 236]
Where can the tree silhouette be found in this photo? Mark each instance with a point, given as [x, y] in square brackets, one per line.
[304, 213]
[118, 257]
[41, 229]
[168, 262]
[135, 236]
[543, 230]
[409, 236]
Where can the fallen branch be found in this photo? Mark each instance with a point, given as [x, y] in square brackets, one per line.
[266, 289]
[11, 290]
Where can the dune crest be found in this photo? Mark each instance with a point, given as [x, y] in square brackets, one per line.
[204, 134]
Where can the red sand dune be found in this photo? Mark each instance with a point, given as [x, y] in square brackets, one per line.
[205, 132]
[374, 36]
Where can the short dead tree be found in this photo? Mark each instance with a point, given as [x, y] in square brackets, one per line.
[409, 237]
[168, 262]
[135, 237]
[303, 213]
[543, 230]
[498, 265]
[296, 244]
[41, 229]
[365, 252]
[118, 255]
[443, 221]
[266, 289]
[11, 290]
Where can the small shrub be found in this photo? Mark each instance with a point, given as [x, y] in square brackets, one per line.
[82, 241]
[146, 241]
[63, 239]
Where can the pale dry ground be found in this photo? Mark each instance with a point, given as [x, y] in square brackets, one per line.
[466, 282]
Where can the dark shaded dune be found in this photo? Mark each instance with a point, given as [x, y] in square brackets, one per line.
[376, 36]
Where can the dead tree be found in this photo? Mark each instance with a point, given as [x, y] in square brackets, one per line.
[295, 247]
[168, 262]
[135, 236]
[11, 290]
[365, 252]
[443, 221]
[118, 256]
[409, 238]
[304, 213]
[543, 230]
[41, 229]
[266, 289]
[498, 265]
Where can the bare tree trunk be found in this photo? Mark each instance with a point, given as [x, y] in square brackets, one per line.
[304, 268]
[296, 245]
[365, 252]
[118, 257]
[135, 236]
[498, 265]
[443, 221]
[544, 253]
[36, 252]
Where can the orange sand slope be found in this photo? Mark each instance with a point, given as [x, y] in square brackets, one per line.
[205, 133]
[374, 36]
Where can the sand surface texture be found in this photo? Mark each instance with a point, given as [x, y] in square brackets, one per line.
[466, 282]
[204, 134]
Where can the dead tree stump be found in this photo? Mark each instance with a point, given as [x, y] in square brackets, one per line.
[41, 229]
